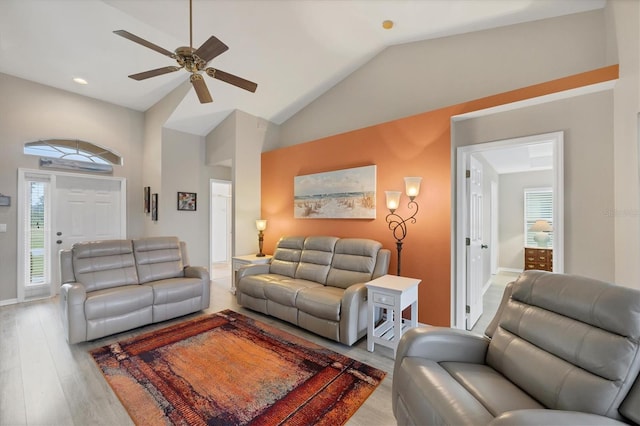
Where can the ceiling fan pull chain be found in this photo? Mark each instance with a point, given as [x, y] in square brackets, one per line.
[191, 25]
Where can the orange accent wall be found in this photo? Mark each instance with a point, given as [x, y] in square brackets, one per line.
[419, 145]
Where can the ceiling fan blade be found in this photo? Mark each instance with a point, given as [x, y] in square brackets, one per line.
[210, 49]
[232, 79]
[201, 88]
[143, 42]
[152, 73]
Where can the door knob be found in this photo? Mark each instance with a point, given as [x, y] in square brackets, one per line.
[484, 246]
[59, 242]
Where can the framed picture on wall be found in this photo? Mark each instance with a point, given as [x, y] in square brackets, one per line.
[187, 201]
[147, 199]
[339, 194]
[154, 207]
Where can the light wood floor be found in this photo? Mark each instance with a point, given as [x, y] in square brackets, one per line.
[45, 381]
[491, 299]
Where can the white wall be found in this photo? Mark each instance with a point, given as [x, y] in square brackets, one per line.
[240, 139]
[29, 112]
[511, 225]
[625, 20]
[416, 77]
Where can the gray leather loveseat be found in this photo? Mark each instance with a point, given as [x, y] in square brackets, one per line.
[115, 285]
[561, 350]
[317, 283]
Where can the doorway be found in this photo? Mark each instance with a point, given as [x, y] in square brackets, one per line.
[57, 210]
[461, 288]
[220, 238]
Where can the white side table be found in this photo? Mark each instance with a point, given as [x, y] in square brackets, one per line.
[392, 294]
[248, 259]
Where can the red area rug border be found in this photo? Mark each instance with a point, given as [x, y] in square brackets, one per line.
[335, 388]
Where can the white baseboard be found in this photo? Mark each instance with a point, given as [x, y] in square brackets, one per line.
[514, 270]
[8, 302]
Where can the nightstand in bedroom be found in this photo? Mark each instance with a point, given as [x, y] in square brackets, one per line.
[247, 259]
[392, 294]
[538, 258]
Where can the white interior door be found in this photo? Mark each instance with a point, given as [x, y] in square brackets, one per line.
[86, 209]
[474, 247]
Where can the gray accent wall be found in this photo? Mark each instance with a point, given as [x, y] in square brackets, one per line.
[587, 122]
[412, 78]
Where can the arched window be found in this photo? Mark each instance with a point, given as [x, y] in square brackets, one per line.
[75, 150]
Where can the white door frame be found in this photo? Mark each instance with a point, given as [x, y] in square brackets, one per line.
[52, 180]
[458, 287]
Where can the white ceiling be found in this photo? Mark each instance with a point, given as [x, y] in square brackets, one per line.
[294, 49]
[520, 158]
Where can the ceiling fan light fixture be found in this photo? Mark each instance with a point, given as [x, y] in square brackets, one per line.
[193, 61]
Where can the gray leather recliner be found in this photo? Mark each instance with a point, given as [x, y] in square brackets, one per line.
[561, 350]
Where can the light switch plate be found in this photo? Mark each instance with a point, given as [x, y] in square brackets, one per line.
[3, 227]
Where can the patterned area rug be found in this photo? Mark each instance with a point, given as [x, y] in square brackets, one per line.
[228, 369]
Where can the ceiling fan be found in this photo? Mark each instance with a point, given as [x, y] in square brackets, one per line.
[193, 61]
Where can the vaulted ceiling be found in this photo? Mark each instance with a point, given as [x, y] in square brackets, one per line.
[294, 49]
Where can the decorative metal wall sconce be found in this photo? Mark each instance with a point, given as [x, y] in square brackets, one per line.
[397, 224]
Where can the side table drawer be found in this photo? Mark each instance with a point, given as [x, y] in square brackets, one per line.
[384, 299]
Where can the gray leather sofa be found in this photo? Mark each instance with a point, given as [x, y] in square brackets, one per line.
[317, 283]
[115, 285]
[561, 350]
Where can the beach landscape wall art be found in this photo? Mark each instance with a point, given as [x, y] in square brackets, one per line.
[339, 194]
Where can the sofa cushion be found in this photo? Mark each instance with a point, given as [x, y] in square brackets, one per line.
[497, 394]
[115, 302]
[174, 290]
[431, 396]
[569, 343]
[316, 258]
[158, 258]
[253, 285]
[285, 291]
[353, 262]
[321, 302]
[104, 264]
[286, 256]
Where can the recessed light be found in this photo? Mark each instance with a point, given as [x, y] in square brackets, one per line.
[80, 80]
[387, 24]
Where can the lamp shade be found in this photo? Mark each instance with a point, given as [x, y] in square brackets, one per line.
[261, 224]
[541, 226]
[412, 186]
[393, 199]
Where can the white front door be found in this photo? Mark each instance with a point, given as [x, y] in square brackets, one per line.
[86, 209]
[64, 209]
[475, 238]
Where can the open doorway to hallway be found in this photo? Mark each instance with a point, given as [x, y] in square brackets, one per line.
[514, 164]
[220, 238]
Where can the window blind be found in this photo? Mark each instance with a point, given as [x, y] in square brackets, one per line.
[538, 205]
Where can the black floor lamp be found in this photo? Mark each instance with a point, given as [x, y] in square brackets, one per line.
[397, 224]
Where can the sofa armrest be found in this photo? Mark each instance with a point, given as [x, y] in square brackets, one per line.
[353, 313]
[552, 417]
[252, 269]
[443, 344]
[202, 274]
[72, 298]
